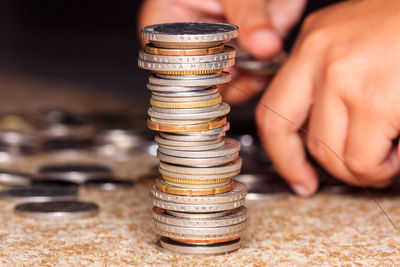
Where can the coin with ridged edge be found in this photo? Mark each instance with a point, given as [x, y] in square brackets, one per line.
[194, 98]
[151, 49]
[192, 104]
[198, 238]
[200, 186]
[197, 147]
[223, 109]
[186, 110]
[167, 142]
[186, 68]
[190, 80]
[237, 193]
[187, 128]
[198, 215]
[162, 186]
[198, 162]
[158, 90]
[173, 180]
[200, 231]
[233, 166]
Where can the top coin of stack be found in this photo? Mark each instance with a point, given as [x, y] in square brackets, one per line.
[197, 163]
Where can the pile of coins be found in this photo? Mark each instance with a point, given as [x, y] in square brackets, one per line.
[198, 206]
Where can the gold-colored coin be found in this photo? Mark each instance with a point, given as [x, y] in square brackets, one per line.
[187, 72]
[151, 49]
[188, 127]
[194, 104]
[195, 182]
[162, 186]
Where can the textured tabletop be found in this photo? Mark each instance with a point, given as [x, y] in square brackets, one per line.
[327, 229]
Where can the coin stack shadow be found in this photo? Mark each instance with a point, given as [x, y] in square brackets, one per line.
[198, 206]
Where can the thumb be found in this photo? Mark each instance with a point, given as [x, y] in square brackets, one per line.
[257, 35]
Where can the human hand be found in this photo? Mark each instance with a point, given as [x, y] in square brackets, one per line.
[262, 25]
[342, 82]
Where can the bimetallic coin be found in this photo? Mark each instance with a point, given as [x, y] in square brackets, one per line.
[230, 147]
[167, 245]
[78, 173]
[198, 162]
[190, 81]
[167, 142]
[12, 178]
[200, 186]
[237, 193]
[186, 128]
[189, 215]
[194, 104]
[236, 216]
[186, 68]
[223, 109]
[191, 34]
[162, 186]
[233, 166]
[204, 178]
[57, 210]
[151, 49]
[228, 53]
[37, 194]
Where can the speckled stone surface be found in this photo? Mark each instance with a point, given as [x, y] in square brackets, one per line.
[325, 230]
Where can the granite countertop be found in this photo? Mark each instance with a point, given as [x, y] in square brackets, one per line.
[327, 229]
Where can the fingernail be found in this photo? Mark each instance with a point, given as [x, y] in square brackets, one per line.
[268, 42]
[301, 190]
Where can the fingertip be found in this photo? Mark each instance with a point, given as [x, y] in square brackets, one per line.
[307, 185]
[263, 43]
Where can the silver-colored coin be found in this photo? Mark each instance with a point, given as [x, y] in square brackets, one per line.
[190, 32]
[185, 110]
[175, 89]
[216, 185]
[223, 109]
[166, 142]
[202, 177]
[236, 216]
[261, 67]
[198, 238]
[57, 210]
[197, 147]
[197, 215]
[167, 245]
[198, 162]
[178, 122]
[207, 66]
[208, 91]
[38, 194]
[237, 193]
[185, 99]
[198, 136]
[196, 208]
[230, 147]
[12, 178]
[78, 173]
[228, 53]
[109, 184]
[190, 81]
[231, 167]
[200, 231]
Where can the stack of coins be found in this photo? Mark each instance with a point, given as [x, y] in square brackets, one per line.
[198, 206]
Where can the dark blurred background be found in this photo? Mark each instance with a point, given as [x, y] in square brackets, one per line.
[88, 43]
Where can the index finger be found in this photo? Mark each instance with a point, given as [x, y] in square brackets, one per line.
[282, 110]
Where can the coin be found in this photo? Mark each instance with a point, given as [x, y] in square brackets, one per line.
[260, 67]
[187, 128]
[167, 142]
[198, 162]
[55, 183]
[108, 183]
[160, 185]
[199, 186]
[226, 54]
[166, 245]
[171, 98]
[175, 89]
[173, 180]
[186, 110]
[233, 166]
[191, 34]
[57, 210]
[37, 194]
[151, 49]
[193, 104]
[222, 110]
[13, 178]
[237, 193]
[200, 231]
[235, 216]
[190, 80]
[78, 173]
[187, 93]
[186, 68]
[197, 136]
[66, 143]
[198, 238]
[203, 178]
[197, 215]
[206, 242]
[195, 148]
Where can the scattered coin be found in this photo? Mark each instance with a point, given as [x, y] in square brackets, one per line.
[13, 178]
[37, 194]
[57, 210]
[109, 183]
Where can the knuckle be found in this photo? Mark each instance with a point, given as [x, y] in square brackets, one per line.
[357, 165]
[313, 41]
